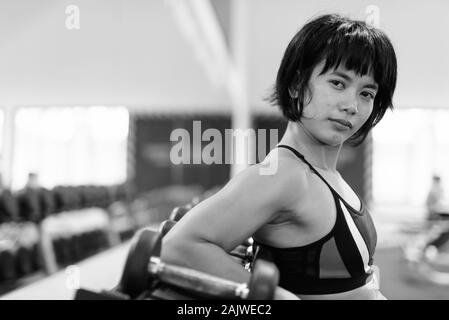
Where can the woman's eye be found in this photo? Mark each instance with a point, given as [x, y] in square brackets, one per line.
[368, 95]
[337, 84]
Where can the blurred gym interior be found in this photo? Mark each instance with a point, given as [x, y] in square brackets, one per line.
[92, 92]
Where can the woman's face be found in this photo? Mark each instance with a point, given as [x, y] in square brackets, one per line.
[341, 103]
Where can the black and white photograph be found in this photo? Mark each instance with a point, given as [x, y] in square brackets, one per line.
[224, 150]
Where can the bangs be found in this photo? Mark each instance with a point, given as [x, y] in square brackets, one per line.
[354, 48]
[338, 41]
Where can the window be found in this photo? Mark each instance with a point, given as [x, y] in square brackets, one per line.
[409, 146]
[71, 145]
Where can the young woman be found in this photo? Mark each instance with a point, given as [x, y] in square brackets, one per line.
[335, 82]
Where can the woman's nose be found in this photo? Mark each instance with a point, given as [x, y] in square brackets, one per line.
[350, 104]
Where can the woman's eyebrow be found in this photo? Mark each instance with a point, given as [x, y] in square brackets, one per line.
[350, 79]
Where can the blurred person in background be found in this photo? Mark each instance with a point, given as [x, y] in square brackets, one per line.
[8, 205]
[437, 204]
[33, 181]
[29, 202]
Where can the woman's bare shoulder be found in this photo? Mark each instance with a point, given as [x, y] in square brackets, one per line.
[283, 171]
[286, 163]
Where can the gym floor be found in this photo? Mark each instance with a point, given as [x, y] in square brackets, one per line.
[102, 272]
[397, 282]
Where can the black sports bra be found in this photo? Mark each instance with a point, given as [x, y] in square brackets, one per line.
[338, 262]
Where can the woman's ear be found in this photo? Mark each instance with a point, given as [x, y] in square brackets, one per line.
[293, 87]
[293, 93]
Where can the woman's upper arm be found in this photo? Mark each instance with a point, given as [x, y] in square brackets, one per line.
[246, 203]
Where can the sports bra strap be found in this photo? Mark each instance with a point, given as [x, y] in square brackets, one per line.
[300, 156]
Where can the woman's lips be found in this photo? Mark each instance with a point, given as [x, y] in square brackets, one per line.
[343, 122]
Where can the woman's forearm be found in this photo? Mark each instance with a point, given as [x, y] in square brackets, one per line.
[212, 259]
[206, 257]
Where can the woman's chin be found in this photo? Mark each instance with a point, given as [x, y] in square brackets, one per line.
[333, 141]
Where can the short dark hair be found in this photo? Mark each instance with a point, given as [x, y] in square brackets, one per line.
[338, 40]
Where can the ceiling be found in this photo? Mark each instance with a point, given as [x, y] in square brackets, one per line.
[136, 53]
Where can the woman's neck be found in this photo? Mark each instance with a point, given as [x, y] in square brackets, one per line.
[318, 154]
